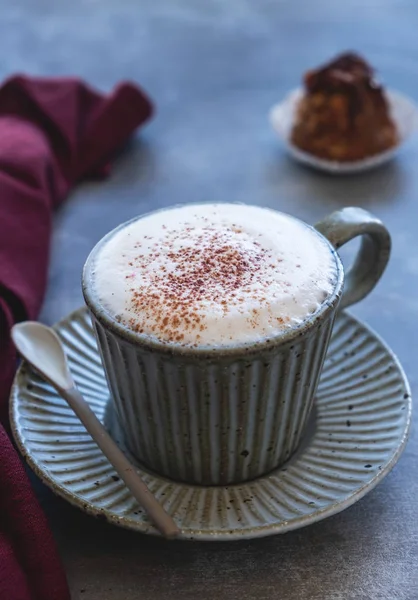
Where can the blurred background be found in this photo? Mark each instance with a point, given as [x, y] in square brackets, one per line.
[214, 68]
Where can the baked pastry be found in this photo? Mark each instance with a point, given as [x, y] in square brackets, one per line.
[343, 114]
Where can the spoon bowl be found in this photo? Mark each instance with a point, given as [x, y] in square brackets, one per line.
[41, 347]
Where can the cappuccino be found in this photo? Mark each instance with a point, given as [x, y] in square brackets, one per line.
[213, 275]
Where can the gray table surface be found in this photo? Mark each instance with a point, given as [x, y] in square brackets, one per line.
[214, 68]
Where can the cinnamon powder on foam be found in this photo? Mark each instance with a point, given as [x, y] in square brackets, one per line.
[215, 274]
[212, 271]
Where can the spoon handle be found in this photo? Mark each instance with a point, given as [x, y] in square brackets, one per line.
[123, 467]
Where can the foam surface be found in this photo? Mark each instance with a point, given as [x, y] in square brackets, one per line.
[214, 274]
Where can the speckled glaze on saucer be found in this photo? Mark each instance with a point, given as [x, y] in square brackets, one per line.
[357, 433]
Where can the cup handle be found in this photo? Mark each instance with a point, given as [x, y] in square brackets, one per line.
[342, 226]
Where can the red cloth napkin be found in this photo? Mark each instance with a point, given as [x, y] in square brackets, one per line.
[53, 133]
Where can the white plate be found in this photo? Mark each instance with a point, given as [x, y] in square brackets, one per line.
[357, 433]
[404, 113]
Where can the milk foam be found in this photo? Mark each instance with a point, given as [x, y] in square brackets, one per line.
[213, 274]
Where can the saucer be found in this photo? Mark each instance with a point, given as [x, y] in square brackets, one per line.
[404, 113]
[357, 433]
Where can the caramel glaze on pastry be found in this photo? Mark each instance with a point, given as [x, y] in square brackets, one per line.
[344, 114]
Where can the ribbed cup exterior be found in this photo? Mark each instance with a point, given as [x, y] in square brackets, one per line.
[212, 415]
[218, 419]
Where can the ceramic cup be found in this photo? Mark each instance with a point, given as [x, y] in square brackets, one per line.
[223, 416]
